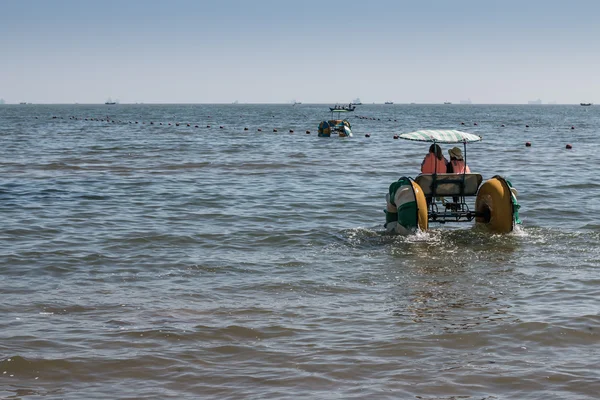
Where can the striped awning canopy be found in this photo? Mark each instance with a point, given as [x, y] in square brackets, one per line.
[441, 136]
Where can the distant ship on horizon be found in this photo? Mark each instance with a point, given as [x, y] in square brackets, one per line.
[389, 102]
[538, 101]
[585, 104]
[356, 102]
[468, 101]
[110, 102]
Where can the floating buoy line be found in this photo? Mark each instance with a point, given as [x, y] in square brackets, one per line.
[187, 124]
[107, 119]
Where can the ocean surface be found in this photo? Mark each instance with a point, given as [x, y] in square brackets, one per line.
[145, 260]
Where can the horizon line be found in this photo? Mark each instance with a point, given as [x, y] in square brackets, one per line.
[294, 104]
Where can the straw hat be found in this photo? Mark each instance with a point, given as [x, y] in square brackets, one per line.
[456, 153]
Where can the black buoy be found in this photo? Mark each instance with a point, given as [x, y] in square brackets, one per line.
[527, 144]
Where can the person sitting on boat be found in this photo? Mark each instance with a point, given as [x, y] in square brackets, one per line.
[457, 166]
[457, 163]
[434, 162]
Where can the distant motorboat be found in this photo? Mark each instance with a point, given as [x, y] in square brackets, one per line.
[585, 104]
[389, 102]
[337, 107]
[356, 102]
[447, 102]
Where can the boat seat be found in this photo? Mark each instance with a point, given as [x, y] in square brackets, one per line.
[449, 184]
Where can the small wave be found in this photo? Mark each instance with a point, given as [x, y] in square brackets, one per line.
[102, 148]
[360, 235]
[591, 226]
[238, 332]
[184, 166]
[202, 333]
[264, 166]
[80, 369]
[57, 166]
[590, 185]
[297, 155]
[519, 231]
[437, 235]
[66, 310]
[94, 197]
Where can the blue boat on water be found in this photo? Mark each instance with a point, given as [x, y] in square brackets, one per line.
[335, 127]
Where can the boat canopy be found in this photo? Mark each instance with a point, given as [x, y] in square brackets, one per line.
[441, 136]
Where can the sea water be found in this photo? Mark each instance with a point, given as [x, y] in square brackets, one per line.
[144, 259]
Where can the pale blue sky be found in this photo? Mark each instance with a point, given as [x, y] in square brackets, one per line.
[264, 51]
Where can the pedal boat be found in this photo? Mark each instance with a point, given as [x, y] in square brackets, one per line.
[414, 204]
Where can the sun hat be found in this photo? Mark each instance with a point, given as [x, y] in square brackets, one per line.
[456, 153]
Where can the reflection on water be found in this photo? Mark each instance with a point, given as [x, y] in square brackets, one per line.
[453, 279]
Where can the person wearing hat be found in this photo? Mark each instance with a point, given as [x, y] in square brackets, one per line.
[457, 163]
